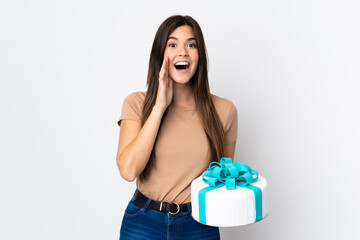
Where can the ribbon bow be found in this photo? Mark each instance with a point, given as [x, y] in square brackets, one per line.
[229, 174]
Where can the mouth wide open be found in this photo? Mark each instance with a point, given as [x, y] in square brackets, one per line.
[181, 67]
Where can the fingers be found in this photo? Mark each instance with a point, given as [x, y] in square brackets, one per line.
[163, 70]
[161, 73]
[170, 84]
[165, 89]
[166, 64]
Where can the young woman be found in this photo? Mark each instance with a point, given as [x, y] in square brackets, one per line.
[169, 135]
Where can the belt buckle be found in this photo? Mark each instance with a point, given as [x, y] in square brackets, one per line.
[178, 209]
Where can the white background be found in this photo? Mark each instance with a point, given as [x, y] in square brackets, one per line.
[290, 67]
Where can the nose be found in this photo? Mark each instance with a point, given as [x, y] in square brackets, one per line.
[183, 51]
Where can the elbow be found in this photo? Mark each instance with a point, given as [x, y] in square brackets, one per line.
[125, 172]
[126, 176]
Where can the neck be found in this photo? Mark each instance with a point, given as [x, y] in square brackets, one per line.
[183, 94]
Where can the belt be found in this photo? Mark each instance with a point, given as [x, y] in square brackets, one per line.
[172, 208]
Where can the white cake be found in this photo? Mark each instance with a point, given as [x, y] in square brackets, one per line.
[228, 208]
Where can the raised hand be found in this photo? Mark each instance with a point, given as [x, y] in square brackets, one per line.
[165, 90]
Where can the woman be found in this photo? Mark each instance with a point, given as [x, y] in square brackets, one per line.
[169, 135]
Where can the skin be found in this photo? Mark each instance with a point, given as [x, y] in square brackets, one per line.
[136, 142]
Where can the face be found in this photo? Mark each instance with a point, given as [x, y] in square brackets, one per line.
[182, 53]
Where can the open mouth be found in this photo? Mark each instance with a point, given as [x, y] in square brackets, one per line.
[182, 65]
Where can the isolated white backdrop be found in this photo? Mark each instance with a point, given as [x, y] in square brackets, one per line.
[290, 67]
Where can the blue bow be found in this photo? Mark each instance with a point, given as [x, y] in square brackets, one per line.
[229, 174]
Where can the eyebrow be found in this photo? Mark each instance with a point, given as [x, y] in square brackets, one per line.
[189, 39]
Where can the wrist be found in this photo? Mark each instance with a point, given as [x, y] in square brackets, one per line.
[158, 110]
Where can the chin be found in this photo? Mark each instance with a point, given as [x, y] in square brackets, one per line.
[181, 80]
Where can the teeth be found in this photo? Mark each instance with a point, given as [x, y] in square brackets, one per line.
[182, 63]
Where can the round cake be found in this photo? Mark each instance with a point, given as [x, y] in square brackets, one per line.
[229, 208]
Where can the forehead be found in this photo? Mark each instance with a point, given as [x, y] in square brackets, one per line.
[182, 33]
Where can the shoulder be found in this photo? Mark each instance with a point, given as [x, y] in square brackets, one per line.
[132, 107]
[226, 110]
[136, 97]
[228, 116]
[223, 105]
[134, 102]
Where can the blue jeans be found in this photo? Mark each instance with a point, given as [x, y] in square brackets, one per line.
[147, 224]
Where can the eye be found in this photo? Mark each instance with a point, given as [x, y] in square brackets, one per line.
[172, 45]
[192, 45]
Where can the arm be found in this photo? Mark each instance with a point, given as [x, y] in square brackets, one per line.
[136, 142]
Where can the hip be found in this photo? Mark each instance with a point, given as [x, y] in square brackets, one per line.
[145, 223]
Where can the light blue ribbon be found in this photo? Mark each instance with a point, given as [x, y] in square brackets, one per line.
[229, 174]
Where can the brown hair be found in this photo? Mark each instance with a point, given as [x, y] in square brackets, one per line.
[209, 118]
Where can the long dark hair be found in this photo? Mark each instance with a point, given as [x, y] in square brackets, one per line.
[209, 118]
